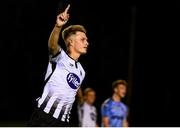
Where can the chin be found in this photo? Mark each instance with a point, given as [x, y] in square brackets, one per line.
[92, 102]
[84, 52]
[122, 96]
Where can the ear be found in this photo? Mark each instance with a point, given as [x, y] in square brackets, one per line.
[115, 90]
[70, 41]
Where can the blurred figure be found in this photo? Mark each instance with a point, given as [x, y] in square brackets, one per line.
[86, 110]
[113, 111]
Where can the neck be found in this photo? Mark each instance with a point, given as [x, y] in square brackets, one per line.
[74, 55]
[115, 97]
[89, 103]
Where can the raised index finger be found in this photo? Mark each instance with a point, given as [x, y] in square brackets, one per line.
[67, 8]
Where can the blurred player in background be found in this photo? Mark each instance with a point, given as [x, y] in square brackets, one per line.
[86, 110]
[113, 110]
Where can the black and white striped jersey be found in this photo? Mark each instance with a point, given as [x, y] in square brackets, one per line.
[63, 78]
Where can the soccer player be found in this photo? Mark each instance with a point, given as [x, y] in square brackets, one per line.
[64, 74]
[113, 110]
[86, 110]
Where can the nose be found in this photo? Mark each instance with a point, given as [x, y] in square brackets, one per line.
[87, 43]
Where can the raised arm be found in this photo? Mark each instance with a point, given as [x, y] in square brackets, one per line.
[61, 20]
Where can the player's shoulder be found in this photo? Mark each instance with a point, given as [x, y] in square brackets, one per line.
[107, 102]
[60, 53]
[94, 107]
[63, 57]
[124, 106]
[63, 53]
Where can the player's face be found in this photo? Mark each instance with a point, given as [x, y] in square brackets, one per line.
[121, 90]
[90, 97]
[80, 43]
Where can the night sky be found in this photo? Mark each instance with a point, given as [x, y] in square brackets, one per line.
[116, 30]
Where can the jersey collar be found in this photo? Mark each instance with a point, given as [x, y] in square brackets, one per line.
[71, 60]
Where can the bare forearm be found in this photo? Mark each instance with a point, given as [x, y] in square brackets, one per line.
[106, 125]
[53, 40]
[61, 19]
[125, 123]
[97, 125]
[105, 121]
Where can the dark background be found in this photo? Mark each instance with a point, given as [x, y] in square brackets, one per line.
[128, 40]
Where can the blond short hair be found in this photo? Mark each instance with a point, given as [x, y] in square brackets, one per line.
[87, 90]
[71, 30]
[118, 82]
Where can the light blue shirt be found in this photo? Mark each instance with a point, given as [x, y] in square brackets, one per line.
[115, 111]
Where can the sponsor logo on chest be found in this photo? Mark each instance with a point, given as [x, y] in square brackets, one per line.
[73, 80]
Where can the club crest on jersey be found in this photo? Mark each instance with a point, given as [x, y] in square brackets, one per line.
[73, 80]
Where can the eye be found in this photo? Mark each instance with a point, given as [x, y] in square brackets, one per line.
[83, 39]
